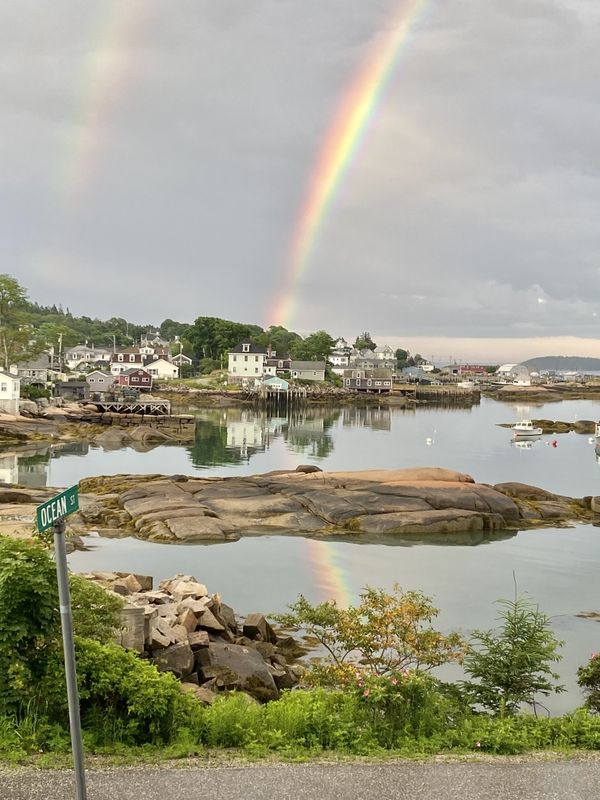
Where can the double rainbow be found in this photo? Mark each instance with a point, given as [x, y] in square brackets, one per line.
[352, 121]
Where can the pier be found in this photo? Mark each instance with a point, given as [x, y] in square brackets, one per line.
[139, 407]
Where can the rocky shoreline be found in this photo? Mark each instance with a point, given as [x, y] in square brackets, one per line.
[198, 638]
[304, 502]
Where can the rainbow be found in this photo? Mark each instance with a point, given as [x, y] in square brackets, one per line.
[104, 75]
[353, 119]
[331, 581]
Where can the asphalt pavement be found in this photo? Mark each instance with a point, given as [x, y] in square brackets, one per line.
[494, 780]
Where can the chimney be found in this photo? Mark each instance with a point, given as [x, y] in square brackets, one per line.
[13, 369]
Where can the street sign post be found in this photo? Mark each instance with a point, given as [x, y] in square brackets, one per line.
[57, 508]
[51, 514]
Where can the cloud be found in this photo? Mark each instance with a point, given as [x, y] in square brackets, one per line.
[473, 197]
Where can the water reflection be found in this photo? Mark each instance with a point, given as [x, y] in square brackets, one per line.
[234, 436]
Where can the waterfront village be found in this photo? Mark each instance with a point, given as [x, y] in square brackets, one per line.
[85, 371]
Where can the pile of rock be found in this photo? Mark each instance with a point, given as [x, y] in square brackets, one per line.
[199, 639]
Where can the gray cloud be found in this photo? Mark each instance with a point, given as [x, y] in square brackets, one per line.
[155, 157]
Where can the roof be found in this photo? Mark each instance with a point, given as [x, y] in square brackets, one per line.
[301, 366]
[254, 348]
[9, 375]
[84, 348]
[135, 371]
[99, 372]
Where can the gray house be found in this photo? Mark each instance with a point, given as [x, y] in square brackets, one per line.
[308, 370]
[99, 381]
[371, 381]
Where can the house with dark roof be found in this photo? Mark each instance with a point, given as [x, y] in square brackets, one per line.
[135, 379]
[246, 362]
[371, 381]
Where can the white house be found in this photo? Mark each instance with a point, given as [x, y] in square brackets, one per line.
[10, 390]
[82, 354]
[385, 353]
[246, 362]
[162, 370]
[181, 360]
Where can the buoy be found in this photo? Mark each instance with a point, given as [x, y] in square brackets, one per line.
[554, 443]
[429, 441]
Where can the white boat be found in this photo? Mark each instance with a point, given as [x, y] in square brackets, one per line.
[526, 428]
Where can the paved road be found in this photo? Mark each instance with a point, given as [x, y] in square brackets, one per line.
[569, 780]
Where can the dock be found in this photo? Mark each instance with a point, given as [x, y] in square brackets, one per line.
[141, 407]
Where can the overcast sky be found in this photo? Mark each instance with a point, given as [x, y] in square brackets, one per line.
[155, 155]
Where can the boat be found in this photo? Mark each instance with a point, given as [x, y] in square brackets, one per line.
[598, 438]
[526, 428]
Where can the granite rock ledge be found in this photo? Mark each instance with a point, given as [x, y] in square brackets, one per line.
[404, 501]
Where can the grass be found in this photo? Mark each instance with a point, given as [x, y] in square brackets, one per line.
[308, 726]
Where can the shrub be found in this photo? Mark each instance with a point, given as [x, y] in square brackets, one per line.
[386, 633]
[96, 613]
[122, 697]
[588, 677]
[30, 621]
[513, 664]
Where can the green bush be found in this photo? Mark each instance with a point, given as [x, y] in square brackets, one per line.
[588, 677]
[96, 613]
[30, 621]
[122, 697]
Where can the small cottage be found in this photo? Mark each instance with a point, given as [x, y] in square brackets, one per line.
[135, 379]
[10, 390]
[308, 371]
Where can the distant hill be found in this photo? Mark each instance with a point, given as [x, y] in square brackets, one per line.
[563, 364]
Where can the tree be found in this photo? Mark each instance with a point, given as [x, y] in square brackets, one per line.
[512, 665]
[364, 342]
[278, 338]
[16, 335]
[387, 632]
[401, 358]
[316, 347]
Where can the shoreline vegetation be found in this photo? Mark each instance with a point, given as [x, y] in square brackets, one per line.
[371, 693]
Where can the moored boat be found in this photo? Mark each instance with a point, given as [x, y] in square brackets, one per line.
[526, 428]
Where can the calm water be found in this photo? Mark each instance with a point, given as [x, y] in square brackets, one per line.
[465, 574]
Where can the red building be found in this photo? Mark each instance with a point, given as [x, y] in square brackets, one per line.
[136, 379]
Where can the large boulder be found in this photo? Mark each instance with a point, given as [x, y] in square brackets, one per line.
[256, 627]
[177, 658]
[243, 668]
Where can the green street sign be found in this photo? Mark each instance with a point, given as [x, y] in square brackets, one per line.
[65, 503]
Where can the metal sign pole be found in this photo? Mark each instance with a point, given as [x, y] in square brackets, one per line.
[66, 622]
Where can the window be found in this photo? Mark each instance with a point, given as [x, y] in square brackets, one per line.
[245, 358]
[145, 380]
[369, 382]
[131, 357]
[234, 369]
[235, 358]
[255, 369]
[120, 357]
[314, 373]
[377, 383]
[100, 380]
[358, 381]
[245, 348]
[347, 381]
[4, 387]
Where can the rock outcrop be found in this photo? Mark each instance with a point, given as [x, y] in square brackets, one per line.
[405, 501]
[194, 635]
